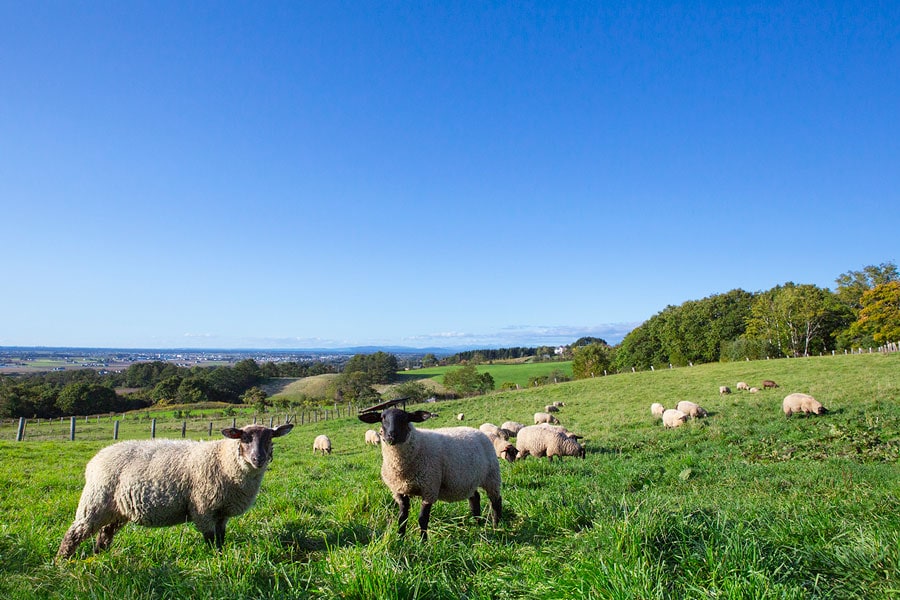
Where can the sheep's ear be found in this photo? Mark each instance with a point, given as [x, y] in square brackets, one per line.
[283, 429]
[232, 432]
[419, 416]
[370, 417]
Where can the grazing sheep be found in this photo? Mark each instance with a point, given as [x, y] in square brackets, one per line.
[502, 447]
[372, 437]
[447, 464]
[657, 409]
[754, 390]
[158, 483]
[691, 409]
[542, 417]
[559, 403]
[768, 383]
[542, 440]
[802, 403]
[551, 408]
[724, 389]
[461, 417]
[742, 385]
[512, 427]
[491, 429]
[674, 418]
[322, 444]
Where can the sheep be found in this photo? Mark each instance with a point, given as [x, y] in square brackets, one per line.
[491, 429]
[768, 383]
[742, 385]
[372, 437]
[802, 403]
[158, 483]
[724, 389]
[322, 444]
[502, 448]
[674, 418]
[448, 464]
[543, 440]
[559, 403]
[754, 390]
[461, 417]
[551, 408]
[691, 409]
[657, 409]
[542, 417]
[512, 427]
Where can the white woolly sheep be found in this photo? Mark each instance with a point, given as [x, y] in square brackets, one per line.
[543, 417]
[158, 483]
[657, 409]
[754, 390]
[491, 429]
[802, 403]
[551, 408]
[742, 385]
[674, 418]
[724, 389]
[512, 427]
[502, 447]
[559, 403]
[372, 437]
[322, 444]
[691, 409]
[543, 440]
[448, 464]
[461, 417]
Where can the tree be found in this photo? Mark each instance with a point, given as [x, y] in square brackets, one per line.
[429, 360]
[879, 315]
[467, 381]
[83, 398]
[380, 367]
[853, 284]
[591, 360]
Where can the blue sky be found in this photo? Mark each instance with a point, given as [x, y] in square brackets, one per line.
[322, 174]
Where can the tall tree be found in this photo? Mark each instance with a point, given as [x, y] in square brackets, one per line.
[853, 284]
[879, 316]
[590, 361]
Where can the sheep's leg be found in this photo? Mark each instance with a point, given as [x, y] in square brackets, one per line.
[496, 508]
[403, 503]
[424, 516]
[105, 537]
[475, 504]
[220, 532]
[77, 533]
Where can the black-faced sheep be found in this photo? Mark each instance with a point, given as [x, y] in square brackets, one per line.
[691, 409]
[674, 418]
[724, 389]
[797, 403]
[549, 441]
[448, 464]
[512, 427]
[158, 483]
[491, 429]
[372, 437]
[657, 409]
[768, 383]
[322, 444]
[543, 417]
[742, 385]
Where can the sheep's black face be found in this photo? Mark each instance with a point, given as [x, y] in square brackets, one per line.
[256, 443]
[395, 423]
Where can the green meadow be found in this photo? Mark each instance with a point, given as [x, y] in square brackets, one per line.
[743, 504]
[519, 374]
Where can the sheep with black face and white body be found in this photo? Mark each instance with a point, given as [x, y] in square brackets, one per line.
[448, 464]
[158, 483]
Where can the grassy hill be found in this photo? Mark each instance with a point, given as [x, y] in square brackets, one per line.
[744, 504]
[517, 373]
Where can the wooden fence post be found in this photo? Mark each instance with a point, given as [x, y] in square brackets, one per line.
[183, 428]
[153, 428]
[72, 429]
[210, 429]
[116, 430]
[20, 432]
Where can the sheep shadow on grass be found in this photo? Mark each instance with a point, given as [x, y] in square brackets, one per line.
[296, 540]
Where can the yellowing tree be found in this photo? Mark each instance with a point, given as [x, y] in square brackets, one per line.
[880, 313]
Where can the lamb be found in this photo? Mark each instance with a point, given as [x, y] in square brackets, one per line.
[448, 464]
[512, 427]
[158, 483]
[724, 389]
[543, 417]
[674, 418]
[657, 409]
[372, 437]
[802, 403]
[542, 440]
[551, 408]
[742, 385]
[691, 409]
[322, 444]
[768, 383]
[491, 429]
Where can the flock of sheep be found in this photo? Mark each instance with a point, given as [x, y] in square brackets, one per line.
[158, 483]
[795, 403]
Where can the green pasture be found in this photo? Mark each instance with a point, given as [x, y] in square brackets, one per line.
[743, 504]
[519, 374]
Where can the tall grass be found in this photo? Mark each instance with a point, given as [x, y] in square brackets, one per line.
[744, 504]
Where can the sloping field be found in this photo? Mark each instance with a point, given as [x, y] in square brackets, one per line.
[743, 504]
[315, 387]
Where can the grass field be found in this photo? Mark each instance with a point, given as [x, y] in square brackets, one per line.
[743, 504]
[519, 374]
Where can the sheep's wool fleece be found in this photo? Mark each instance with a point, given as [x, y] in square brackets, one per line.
[447, 464]
[163, 482]
[539, 441]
